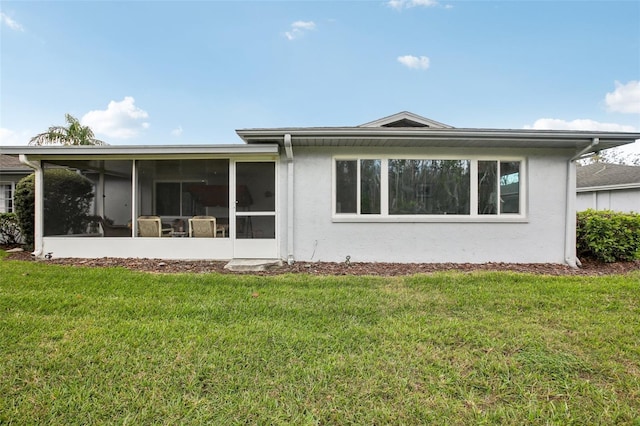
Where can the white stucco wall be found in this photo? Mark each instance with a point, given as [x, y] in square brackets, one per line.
[622, 200]
[318, 238]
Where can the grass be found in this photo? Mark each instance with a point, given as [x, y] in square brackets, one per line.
[94, 346]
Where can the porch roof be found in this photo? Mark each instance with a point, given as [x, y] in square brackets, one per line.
[124, 152]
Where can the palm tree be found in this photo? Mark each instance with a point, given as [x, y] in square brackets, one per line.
[74, 134]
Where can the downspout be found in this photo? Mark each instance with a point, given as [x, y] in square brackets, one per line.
[38, 204]
[570, 256]
[289, 152]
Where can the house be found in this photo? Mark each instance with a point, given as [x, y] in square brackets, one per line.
[603, 186]
[403, 188]
[11, 171]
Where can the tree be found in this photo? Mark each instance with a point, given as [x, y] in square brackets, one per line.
[24, 202]
[74, 134]
[613, 156]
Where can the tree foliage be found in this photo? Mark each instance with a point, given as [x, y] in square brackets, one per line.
[613, 156]
[67, 199]
[24, 202]
[74, 134]
[9, 229]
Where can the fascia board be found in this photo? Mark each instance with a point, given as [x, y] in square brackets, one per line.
[143, 151]
[608, 187]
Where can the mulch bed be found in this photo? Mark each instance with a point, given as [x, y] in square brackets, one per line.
[589, 267]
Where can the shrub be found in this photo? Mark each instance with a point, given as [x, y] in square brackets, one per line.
[608, 236]
[24, 200]
[10, 229]
[67, 198]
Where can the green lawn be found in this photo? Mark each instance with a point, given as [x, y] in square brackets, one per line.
[94, 346]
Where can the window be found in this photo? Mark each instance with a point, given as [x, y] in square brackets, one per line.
[358, 177]
[6, 197]
[423, 187]
[429, 187]
[176, 199]
[498, 195]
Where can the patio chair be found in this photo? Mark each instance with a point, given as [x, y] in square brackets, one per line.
[110, 230]
[151, 226]
[202, 227]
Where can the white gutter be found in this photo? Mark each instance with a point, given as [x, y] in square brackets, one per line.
[588, 148]
[289, 151]
[38, 204]
[570, 256]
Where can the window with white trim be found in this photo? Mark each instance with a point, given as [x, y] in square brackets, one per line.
[7, 189]
[426, 187]
[176, 199]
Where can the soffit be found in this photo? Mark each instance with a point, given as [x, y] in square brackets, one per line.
[429, 137]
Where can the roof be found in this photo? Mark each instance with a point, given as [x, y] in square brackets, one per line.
[9, 164]
[404, 129]
[607, 176]
[410, 130]
[140, 151]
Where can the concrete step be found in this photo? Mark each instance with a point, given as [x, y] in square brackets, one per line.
[252, 265]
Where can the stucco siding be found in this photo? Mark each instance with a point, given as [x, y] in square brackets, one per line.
[538, 239]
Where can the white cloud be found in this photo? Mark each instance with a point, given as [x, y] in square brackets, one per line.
[9, 137]
[626, 98]
[298, 28]
[304, 25]
[579, 124]
[177, 131]
[414, 62]
[406, 4]
[6, 20]
[120, 120]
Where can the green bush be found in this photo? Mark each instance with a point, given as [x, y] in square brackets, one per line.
[67, 199]
[608, 236]
[24, 200]
[9, 229]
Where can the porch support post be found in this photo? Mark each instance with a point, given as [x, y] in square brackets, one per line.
[100, 192]
[289, 151]
[38, 226]
[134, 198]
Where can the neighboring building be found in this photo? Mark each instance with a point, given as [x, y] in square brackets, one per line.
[400, 189]
[603, 186]
[11, 171]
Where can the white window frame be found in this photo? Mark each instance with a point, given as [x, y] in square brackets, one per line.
[3, 199]
[473, 215]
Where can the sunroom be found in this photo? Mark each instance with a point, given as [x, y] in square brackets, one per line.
[197, 202]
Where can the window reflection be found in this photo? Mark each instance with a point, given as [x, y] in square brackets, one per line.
[429, 187]
[510, 187]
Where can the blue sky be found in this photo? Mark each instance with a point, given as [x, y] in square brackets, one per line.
[165, 72]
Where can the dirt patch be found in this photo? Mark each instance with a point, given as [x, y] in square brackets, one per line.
[589, 267]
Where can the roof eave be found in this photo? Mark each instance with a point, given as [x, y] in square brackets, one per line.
[140, 151]
[607, 139]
